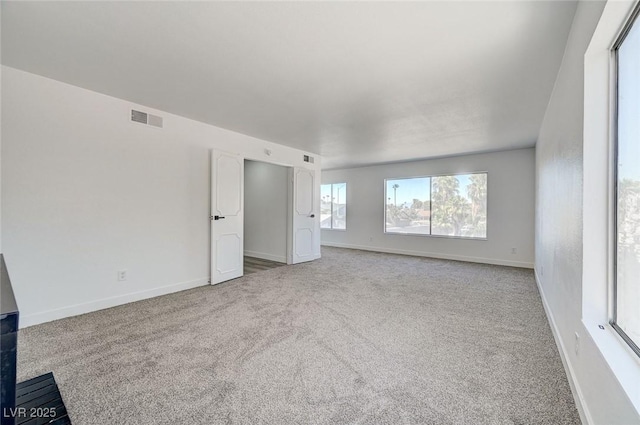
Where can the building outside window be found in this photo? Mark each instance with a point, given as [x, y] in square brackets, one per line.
[333, 206]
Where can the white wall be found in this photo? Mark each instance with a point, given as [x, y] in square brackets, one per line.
[265, 211]
[559, 234]
[86, 192]
[510, 209]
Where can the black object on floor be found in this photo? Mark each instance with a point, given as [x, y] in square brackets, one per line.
[38, 401]
[8, 346]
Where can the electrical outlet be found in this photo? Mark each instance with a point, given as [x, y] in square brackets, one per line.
[514, 251]
[122, 275]
[577, 344]
[370, 238]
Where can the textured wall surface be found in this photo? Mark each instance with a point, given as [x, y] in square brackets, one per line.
[510, 206]
[558, 241]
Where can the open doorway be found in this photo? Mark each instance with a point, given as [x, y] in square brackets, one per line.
[266, 207]
[302, 230]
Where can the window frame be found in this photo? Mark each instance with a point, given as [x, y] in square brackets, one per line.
[331, 199]
[609, 353]
[632, 20]
[430, 177]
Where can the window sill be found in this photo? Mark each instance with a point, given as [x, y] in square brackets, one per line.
[621, 359]
[437, 236]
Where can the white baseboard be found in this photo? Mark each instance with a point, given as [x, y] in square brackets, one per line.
[578, 397]
[265, 256]
[75, 310]
[441, 256]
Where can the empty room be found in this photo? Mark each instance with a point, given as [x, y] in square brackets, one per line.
[320, 212]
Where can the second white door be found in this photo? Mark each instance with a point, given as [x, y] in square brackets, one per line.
[305, 221]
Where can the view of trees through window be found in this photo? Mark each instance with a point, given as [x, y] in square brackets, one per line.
[454, 205]
[333, 206]
[409, 206]
[627, 206]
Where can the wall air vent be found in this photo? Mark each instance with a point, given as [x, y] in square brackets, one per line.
[144, 118]
[138, 116]
[155, 121]
[307, 158]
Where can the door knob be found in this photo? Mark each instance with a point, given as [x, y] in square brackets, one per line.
[217, 217]
[312, 215]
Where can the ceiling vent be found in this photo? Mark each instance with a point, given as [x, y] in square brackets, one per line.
[144, 118]
[307, 158]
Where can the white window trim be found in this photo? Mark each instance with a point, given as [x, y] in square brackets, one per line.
[598, 196]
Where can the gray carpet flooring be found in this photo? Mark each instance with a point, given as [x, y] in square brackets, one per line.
[356, 337]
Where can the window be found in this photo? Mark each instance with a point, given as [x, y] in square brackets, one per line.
[626, 314]
[333, 206]
[453, 206]
[408, 206]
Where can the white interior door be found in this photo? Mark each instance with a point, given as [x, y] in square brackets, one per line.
[305, 216]
[227, 219]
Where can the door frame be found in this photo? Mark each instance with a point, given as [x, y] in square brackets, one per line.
[290, 169]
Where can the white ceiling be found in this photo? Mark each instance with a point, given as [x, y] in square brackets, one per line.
[356, 82]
